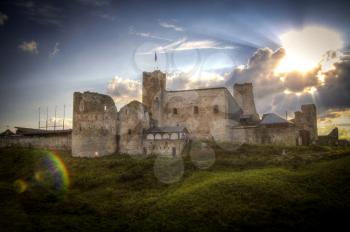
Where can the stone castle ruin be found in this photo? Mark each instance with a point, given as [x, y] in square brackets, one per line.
[166, 120]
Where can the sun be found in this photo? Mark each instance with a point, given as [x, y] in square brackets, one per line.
[305, 48]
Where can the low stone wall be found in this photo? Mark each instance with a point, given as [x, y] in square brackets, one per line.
[60, 142]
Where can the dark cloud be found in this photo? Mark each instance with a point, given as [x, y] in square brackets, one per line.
[42, 13]
[297, 81]
[269, 87]
[97, 3]
[260, 71]
[336, 91]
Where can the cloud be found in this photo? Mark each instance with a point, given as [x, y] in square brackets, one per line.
[302, 52]
[42, 13]
[148, 35]
[336, 90]
[194, 80]
[184, 45]
[98, 3]
[3, 18]
[55, 50]
[327, 85]
[335, 118]
[105, 16]
[68, 123]
[171, 26]
[124, 90]
[31, 47]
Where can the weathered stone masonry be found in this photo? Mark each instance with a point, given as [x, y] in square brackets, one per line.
[210, 113]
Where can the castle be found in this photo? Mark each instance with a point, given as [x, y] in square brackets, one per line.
[166, 120]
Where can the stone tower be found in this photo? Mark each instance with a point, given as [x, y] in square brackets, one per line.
[307, 120]
[94, 125]
[153, 90]
[243, 93]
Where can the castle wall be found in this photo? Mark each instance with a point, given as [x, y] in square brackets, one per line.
[59, 142]
[306, 119]
[277, 135]
[245, 134]
[94, 125]
[206, 113]
[133, 119]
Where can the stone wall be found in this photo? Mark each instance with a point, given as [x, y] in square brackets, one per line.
[59, 142]
[277, 135]
[206, 113]
[94, 125]
[133, 119]
[245, 134]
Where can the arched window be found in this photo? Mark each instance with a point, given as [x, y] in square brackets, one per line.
[150, 137]
[129, 131]
[174, 136]
[166, 136]
[174, 110]
[195, 109]
[158, 136]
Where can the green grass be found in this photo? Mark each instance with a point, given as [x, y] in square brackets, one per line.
[265, 188]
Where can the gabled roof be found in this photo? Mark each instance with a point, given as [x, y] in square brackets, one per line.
[7, 133]
[174, 129]
[272, 118]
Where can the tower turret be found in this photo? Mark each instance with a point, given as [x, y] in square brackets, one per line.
[153, 89]
[153, 83]
[243, 93]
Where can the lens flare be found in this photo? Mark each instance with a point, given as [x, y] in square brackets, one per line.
[57, 170]
[305, 48]
[20, 185]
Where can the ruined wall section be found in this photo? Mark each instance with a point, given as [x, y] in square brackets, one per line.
[278, 135]
[274, 135]
[243, 93]
[94, 125]
[306, 119]
[133, 119]
[206, 113]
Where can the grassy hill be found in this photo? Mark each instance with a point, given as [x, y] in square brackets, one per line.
[216, 188]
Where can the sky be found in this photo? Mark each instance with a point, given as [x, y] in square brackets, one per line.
[294, 52]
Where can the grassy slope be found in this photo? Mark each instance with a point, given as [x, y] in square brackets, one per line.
[253, 187]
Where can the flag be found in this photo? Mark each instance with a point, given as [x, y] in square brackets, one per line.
[155, 56]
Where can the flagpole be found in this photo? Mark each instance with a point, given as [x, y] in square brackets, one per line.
[155, 60]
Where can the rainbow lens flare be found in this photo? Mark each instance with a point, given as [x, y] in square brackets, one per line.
[57, 170]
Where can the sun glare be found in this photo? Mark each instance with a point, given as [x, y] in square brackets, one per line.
[305, 48]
